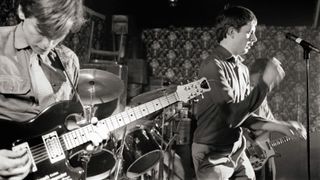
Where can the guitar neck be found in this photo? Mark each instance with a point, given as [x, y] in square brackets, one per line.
[80, 136]
[282, 140]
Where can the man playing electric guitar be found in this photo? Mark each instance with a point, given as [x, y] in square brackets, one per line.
[36, 71]
[257, 138]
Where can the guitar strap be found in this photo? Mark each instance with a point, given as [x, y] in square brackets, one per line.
[69, 78]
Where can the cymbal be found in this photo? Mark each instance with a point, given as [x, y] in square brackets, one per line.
[98, 86]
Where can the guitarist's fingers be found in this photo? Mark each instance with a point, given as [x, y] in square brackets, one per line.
[18, 172]
[298, 129]
[12, 154]
[95, 138]
[12, 159]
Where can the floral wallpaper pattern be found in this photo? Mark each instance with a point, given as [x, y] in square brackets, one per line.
[174, 54]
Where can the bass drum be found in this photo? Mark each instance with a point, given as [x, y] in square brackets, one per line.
[141, 153]
[101, 163]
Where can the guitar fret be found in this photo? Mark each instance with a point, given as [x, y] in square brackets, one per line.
[151, 106]
[137, 112]
[120, 120]
[131, 115]
[102, 124]
[125, 118]
[164, 102]
[114, 122]
[70, 140]
[65, 140]
[79, 134]
[87, 130]
[172, 98]
[109, 124]
[74, 138]
[82, 135]
[144, 110]
[157, 104]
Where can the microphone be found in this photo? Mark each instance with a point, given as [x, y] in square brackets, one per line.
[302, 42]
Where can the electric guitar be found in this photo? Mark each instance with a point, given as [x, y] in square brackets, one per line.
[49, 144]
[261, 149]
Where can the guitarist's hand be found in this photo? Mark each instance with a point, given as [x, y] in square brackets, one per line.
[297, 129]
[14, 165]
[97, 136]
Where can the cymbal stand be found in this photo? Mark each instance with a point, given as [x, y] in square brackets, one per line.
[89, 110]
[119, 155]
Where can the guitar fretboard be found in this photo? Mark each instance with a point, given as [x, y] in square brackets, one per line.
[80, 136]
[282, 140]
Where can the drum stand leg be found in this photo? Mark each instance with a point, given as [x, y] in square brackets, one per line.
[120, 156]
[169, 169]
[85, 159]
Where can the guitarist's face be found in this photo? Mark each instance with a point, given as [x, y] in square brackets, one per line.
[37, 40]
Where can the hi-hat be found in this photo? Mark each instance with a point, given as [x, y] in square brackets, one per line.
[98, 86]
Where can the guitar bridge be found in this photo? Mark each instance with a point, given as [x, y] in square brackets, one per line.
[25, 145]
[53, 146]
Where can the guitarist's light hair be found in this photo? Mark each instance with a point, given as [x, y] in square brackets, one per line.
[53, 15]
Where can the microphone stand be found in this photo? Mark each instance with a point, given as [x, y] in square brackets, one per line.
[306, 56]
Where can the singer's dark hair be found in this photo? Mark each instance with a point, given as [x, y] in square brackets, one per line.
[236, 17]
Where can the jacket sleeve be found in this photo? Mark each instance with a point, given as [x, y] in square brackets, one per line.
[222, 93]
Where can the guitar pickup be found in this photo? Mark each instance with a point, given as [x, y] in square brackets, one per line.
[53, 146]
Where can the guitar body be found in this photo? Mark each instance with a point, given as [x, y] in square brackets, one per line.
[35, 132]
[259, 150]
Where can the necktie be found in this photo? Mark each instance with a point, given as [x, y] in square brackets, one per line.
[42, 88]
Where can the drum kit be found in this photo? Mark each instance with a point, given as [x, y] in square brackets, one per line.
[142, 151]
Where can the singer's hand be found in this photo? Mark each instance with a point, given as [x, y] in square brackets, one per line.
[273, 73]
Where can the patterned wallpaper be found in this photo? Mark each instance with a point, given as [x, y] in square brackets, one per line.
[174, 54]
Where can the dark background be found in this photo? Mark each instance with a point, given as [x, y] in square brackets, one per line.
[162, 13]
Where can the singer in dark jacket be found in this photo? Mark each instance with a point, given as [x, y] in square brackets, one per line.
[218, 143]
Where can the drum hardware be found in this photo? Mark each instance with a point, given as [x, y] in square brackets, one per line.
[119, 155]
[85, 158]
[167, 121]
[97, 163]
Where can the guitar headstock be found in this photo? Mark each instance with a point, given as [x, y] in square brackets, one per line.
[191, 90]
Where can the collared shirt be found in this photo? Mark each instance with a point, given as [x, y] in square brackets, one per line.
[229, 103]
[17, 98]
